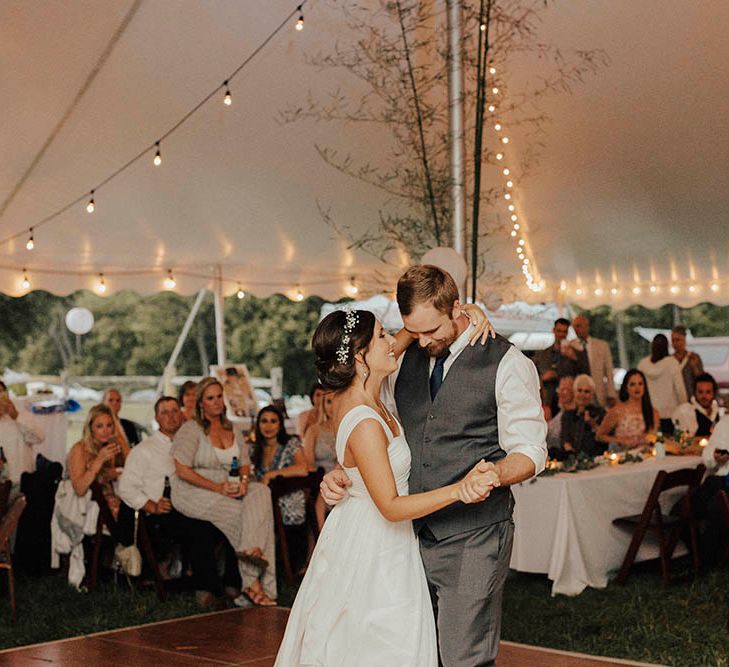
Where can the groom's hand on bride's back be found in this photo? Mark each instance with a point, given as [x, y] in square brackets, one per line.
[334, 486]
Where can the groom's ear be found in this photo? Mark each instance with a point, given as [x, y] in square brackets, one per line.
[457, 310]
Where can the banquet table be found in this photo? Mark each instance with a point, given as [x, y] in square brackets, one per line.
[52, 429]
[563, 522]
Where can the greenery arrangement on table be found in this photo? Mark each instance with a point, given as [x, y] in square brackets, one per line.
[575, 462]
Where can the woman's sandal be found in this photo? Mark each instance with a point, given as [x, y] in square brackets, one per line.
[253, 559]
[258, 598]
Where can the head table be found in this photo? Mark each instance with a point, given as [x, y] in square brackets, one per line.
[564, 521]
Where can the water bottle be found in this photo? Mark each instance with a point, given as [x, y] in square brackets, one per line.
[660, 446]
[234, 473]
[167, 493]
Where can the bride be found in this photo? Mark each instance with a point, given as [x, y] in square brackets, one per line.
[364, 600]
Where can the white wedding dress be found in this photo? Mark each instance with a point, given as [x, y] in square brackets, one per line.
[364, 601]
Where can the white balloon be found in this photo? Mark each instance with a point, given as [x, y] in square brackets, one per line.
[448, 260]
[79, 321]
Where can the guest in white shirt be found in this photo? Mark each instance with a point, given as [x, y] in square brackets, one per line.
[713, 531]
[142, 486]
[701, 414]
[665, 382]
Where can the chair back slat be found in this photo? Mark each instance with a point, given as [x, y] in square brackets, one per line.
[10, 520]
[5, 486]
[690, 477]
[724, 508]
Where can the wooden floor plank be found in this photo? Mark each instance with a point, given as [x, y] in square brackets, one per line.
[245, 637]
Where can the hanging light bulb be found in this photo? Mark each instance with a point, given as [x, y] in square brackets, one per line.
[228, 99]
[483, 27]
[507, 196]
[101, 285]
[578, 291]
[492, 108]
[299, 294]
[513, 232]
[504, 140]
[300, 21]
[614, 291]
[511, 207]
[674, 289]
[636, 290]
[25, 284]
[514, 218]
[598, 291]
[157, 156]
[509, 184]
[240, 293]
[492, 70]
[517, 226]
[714, 287]
[692, 288]
[30, 244]
[499, 156]
[495, 90]
[352, 287]
[497, 127]
[91, 206]
[170, 282]
[522, 242]
[506, 171]
[653, 289]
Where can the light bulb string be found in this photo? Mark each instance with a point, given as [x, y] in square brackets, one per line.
[173, 128]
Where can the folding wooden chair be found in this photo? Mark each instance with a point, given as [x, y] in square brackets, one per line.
[144, 543]
[5, 487]
[7, 527]
[724, 511]
[282, 486]
[652, 519]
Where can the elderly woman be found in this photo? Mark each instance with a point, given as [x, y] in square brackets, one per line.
[94, 457]
[580, 424]
[630, 421]
[186, 398]
[203, 450]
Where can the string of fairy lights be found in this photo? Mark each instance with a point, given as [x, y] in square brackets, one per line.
[90, 197]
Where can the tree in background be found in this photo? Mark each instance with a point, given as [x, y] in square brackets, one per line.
[395, 53]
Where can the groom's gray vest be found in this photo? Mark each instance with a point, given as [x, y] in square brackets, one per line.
[448, 436]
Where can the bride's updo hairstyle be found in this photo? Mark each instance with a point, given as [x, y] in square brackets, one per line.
[339, 336]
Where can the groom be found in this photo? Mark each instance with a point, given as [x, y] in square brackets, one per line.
[459, 404]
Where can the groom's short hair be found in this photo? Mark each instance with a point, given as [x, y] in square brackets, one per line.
[425, 283]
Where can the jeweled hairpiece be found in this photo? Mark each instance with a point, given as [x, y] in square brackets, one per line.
[351, 321]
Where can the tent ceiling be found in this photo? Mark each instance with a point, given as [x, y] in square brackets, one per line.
[631, 190]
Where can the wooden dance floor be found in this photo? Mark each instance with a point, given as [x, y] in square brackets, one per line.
[247, 637]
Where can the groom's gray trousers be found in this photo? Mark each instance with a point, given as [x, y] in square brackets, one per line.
[466, 575]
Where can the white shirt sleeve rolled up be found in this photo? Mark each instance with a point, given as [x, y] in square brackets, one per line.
[131, 483]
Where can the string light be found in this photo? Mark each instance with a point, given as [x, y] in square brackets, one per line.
[483, 27]
[714, 287]
[509, 184]
[499, 156]
[91, 206]
[578, 291]
[101, 285]
[170, 282]
[497, 127]
[352, 287]
[513, 232]
[30, 244]
[492, 108]
[300, 21]
[228, 99]
[511, 207]
[674, 289]
[614, 291]
[299, 294]
[495, 91]
[240, 293]
[507, 196]
[506, 172]
[492, 70]
[25, 284]
[653, 289]
[636, 290]
[157, 156]
[504, 140]
[514, 218]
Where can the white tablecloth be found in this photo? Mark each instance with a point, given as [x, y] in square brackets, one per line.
[52, 428]
[564, 522]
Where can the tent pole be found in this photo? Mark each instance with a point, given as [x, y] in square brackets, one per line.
[170, 366]
[622, 350]
[455, 124]
[219, 304]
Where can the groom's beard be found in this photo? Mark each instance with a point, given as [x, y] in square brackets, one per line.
[439, 348]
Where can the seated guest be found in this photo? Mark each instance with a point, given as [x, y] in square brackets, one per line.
[94, 457]
[566, 401]
[127, 431]
[630, 421]
[141, 487]
[203, 450]
[320, 450]
[689, 362]
[557, 361]
[186, 399]
[275, 453]
[16, 441]
[578, 426]
[700, 415]
[311, 417]
[665, 383]
[716, 459]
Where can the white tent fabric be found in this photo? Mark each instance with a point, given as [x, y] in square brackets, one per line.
[630, 195]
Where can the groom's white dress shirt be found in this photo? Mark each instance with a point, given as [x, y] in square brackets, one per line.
[522, 428]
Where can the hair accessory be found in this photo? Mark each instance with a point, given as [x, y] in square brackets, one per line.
[351, 321]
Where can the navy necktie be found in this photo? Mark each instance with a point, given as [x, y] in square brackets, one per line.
[436, 377]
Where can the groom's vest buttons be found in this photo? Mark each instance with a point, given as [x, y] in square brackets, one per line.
[449, 435]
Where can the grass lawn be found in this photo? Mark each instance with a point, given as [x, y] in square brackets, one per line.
[684, 624]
